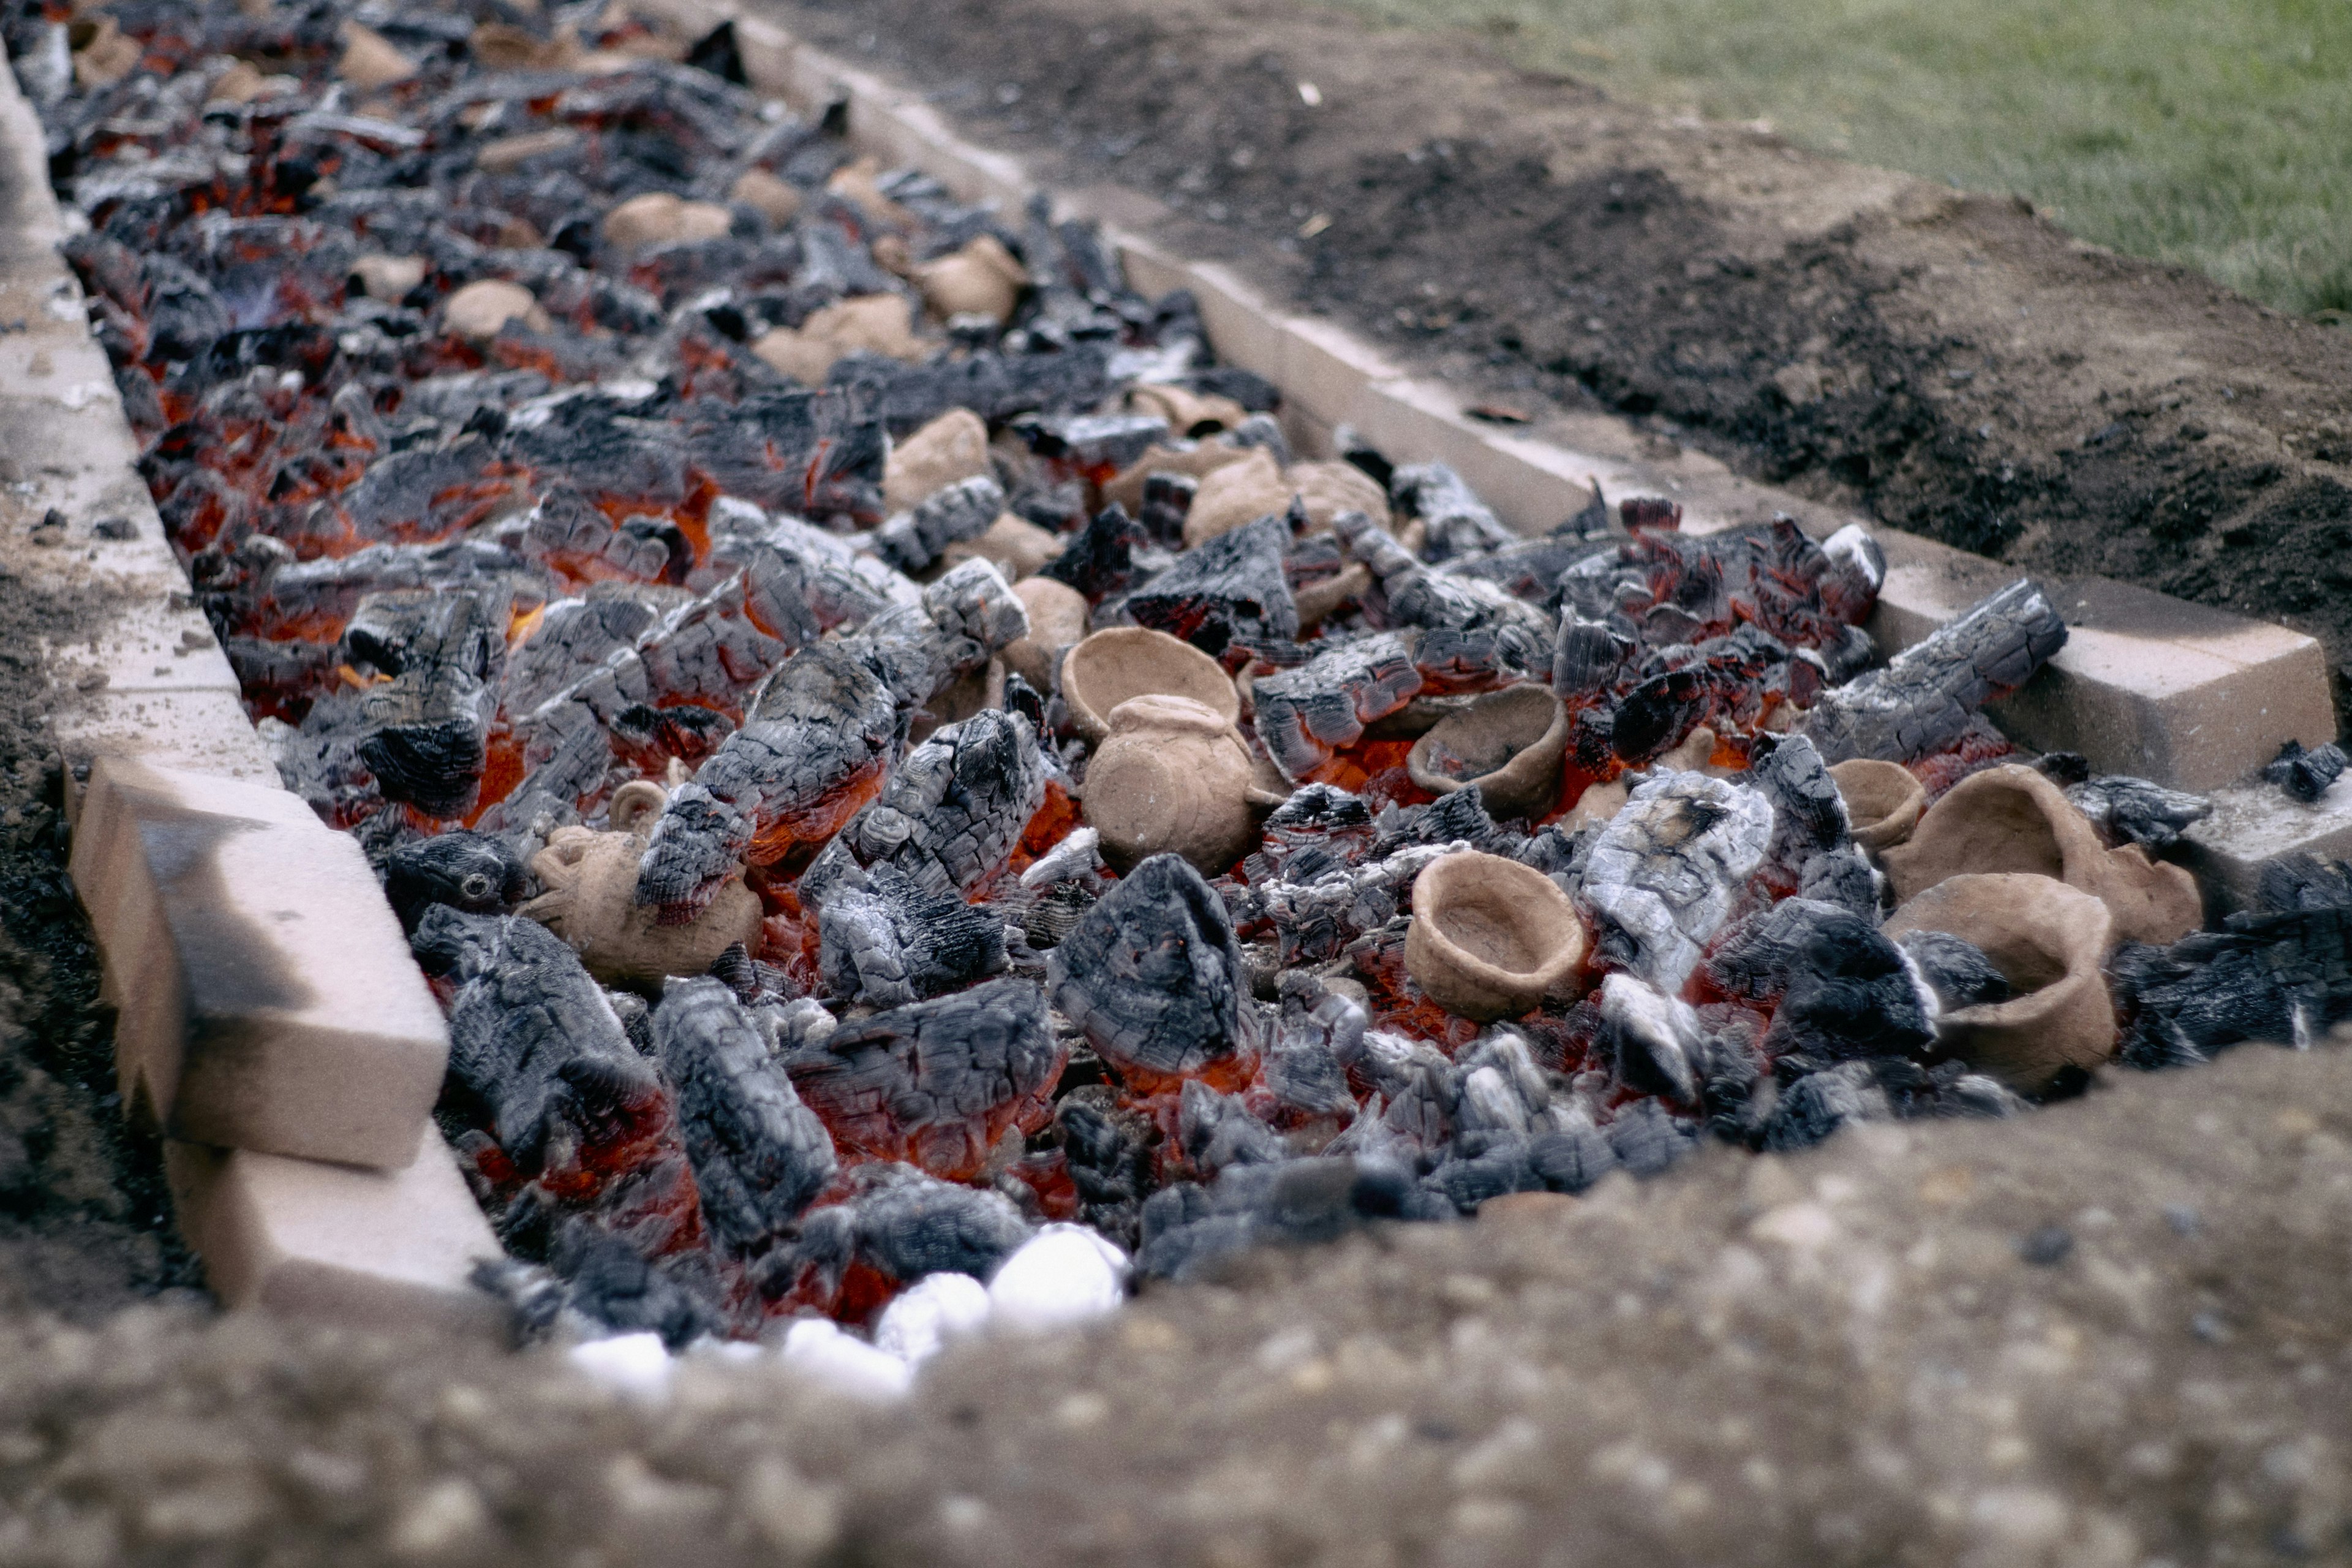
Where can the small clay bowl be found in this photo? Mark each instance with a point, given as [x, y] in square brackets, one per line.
[1174, 775]
[1508, 743]
[1883, 801]
[1108, 667]
[1491, 938]
[2048, 940]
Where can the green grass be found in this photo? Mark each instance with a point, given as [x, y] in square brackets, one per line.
[2213, 134]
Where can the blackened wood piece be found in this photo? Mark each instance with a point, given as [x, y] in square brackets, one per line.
[1227, 589]
[891, 942]
[1921, 700]
[1152, 977]
[479, 873]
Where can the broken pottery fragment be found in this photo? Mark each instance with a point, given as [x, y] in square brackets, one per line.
[2047, 940]
[1491, 938]
[1508, 743]
[1116, 663]
[1884, 800]
[2011, 818]
[1173, 776]
[590, 900]
[950, 448]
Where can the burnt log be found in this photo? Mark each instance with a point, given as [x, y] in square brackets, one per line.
[2304, 775]
[1921, 702]
[2143, 812]
[1307, 714]
[889, 941]
[478, 873]
[1100, 561]
[1666, 872]
[1152, 975]
[1226, 590]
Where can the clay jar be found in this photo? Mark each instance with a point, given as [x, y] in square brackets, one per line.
[1057, 623]
[1508, 743]
[1883, 801]
[1491, 938]
[2012, 820]
[1119, 662]
[1174, 775]
[590, 879]
[2047, 940]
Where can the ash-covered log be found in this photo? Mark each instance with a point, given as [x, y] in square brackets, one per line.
[887, 941]
[912, 541]
[1152, 977]
[1836, 987]
[1228, 589]
[2138, 811]
[1306, 715]
[760, 1156]
[1100, 562]
[1921, 702]
[426, 728]
[2304, 775]
[531, 1034]
[1667, 873]
[953, 811]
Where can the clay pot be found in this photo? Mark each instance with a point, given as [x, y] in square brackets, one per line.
[658, 218]
[1120, 662]
[1243, 492]
[981, 280]
[590, 879]
[2047, 940]
[1318, 600]
[858, 182]
[2012, 820]
[1173, 776]
[776, 200]
[1189, 413]
[370, 60]
[1057, 622]
[502, 46]
[1197, 459]
[1883, 801]
[1013, 545]
[477, 311]
[1491, 938]
[1508, 743]
[950, 448]
[389, 276]
[879, 323]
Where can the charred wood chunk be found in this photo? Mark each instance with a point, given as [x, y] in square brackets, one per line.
[427, 729]
[812, 750]
[1449, 821]
[1187, 1229]
[418, 496]
[1658, 715]
[1305, 715]
[1921, 702]
[603, 1279]
[793, 593]
[1152, 977]
[760, 1155]
[906, 1222]
[2146, 813]
[1317, 920]
[913, 540]
[1839, 989]
[814, 453]
[1809, 814]
[1217, 1129]
[687, 732]
[1647, 1138]
[919, 649]
[1654, 1039]
[1954, 969]
[1317, 1033]
[2304, 775]
[708, 651]
[939, 1082]
[1101, 561]
[1591, 659]
[1334, 824]
[2284, 976]
[531, 1034]
[1230, 588]
[956, 807]
[567, 533]
[572, 637]
[1665, 872]
[1819, 1103]
[892, 941]
[1457, 522]
[1166, 502]
[2303, 882]
[1106, 442]
[1107, 1152]
[991, 384]
[479, 873]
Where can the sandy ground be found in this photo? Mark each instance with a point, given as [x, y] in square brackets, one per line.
[2112, 1333]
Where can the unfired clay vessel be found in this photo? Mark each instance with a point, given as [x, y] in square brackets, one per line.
[1244, 492]
[952, 446]
[1057, 622]
[1508, 743]
[1883, 801]
[1491, 938]
[1120, 662]
[2048, 940]
[981, 280]
[2012, 818]
[1174, 775]
[590, 879]
[1189, 414]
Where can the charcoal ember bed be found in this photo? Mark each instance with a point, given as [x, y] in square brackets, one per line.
[656, 533]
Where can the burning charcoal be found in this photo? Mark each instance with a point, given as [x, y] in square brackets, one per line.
[1305, 715]
[1809, 814]
[604, 1281]
[962, 619]
[892, 941]
[1101, 561]
[1574, 1154]
[2282, 975]
[1095, 442]
[1591, 658]
[1167, 501]
[1317, 1032]
[1513, 639]
[1152, 975]
[1657, 715]
[1654, 1038]
[1839, 988]
[1108, 1154]
[572, 637]
[531, 1035]
[795, 588]
[1844, 877]
[912, 541]
[1921, 700]
[2147, 813]
[811, 752]
[2304, 775]
[909, 1224]
[1503, 1093]
[1647, 1138]
[1230, 588]
[760, 1155]
[1954, 969]
[1665, 871]
[955, 809]
[1216, 1131]
[1317, 920]
[1457, 522]
[1819, 1103]
[474, 872]
[575, 538]
[817, 455]
[1187, 1229]
[937, 1083]
[426, 728]
[1449, 821]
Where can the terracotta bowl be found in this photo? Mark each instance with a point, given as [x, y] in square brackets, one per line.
[1491, 938]
[1883, 801]
[1110, 666]
[1509, 743]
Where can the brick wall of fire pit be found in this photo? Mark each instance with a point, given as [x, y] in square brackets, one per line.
[604, 483]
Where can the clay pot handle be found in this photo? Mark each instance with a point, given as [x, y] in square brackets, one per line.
[631, 801]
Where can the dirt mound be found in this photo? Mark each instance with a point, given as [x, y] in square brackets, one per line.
[1947, 362]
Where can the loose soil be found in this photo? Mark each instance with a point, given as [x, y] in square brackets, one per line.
[1946, 362]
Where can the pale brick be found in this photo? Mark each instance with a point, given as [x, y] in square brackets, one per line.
[200, 730]
[1241, 326]
[334, 1244]
[267, 997]
[1327, 369]
[2254, 825]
